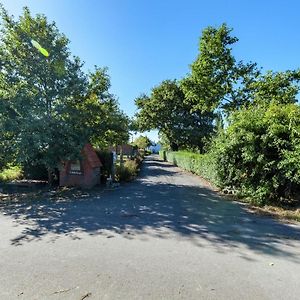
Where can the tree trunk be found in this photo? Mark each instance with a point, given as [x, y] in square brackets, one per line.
[121, 156]
[50, 177]
[113, 170]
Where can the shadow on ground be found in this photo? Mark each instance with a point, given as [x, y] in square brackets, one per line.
[153, 207]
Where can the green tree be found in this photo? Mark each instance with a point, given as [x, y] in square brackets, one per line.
[49, 108]
[166, 111]
[142, 142]
[37, 90]
[217, 80]
[276, 87]
[99, 114]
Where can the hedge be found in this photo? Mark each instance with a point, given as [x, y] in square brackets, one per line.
[200, 164]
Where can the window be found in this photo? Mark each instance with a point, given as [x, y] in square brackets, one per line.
[76, 167]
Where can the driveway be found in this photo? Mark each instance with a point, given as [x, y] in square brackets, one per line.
[164, 236]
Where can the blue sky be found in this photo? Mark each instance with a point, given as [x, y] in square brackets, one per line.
[144, 42]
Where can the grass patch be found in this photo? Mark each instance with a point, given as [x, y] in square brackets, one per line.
[283, 213]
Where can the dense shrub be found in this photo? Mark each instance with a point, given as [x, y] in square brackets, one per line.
[11, 173]
[127, 171]
[200, 164]
[132, 166]
[259, 153]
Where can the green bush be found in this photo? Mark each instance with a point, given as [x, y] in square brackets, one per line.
[132, 166]
[11, 173]
[259, 153]
[127, 171]
[200, 164]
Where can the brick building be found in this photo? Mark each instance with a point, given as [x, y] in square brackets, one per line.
[125, 148]
[84, 173]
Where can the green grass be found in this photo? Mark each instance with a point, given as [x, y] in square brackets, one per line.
[10, 173]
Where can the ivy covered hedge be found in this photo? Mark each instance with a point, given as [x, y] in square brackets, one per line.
[200, 164]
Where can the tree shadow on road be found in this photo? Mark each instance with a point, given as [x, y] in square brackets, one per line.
[149, 207]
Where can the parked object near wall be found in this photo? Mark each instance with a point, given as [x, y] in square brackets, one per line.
[83, 173]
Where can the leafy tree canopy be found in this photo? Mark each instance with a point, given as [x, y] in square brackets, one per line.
[218, 82]
[49, 107]
[166, 111]
[142, 142]
[276, 87]
[216, 77]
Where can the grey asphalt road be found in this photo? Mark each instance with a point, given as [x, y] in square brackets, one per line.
[164, 236]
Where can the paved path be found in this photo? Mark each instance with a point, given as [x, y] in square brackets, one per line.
[164, 236]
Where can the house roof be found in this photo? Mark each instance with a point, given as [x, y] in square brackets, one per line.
[91, 156]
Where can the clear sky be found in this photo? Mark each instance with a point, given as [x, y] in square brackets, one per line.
[146, 41]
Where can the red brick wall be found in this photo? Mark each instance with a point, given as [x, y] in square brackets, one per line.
[87, 180]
